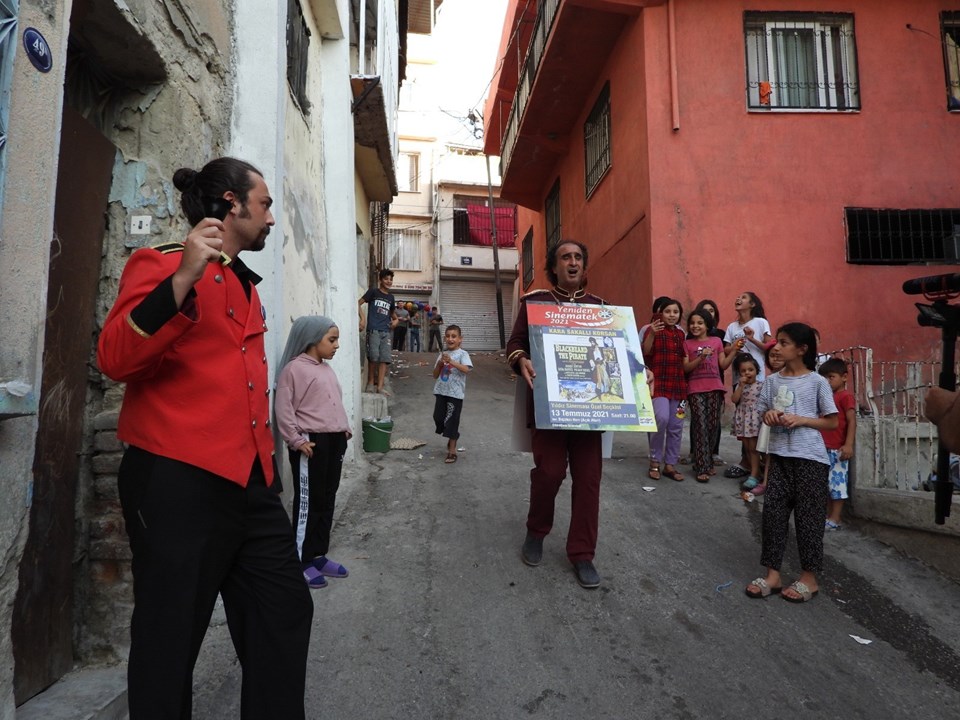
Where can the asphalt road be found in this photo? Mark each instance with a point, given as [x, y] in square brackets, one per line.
[440, 619]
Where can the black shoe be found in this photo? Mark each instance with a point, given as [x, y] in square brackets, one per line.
[735, 471]
[587, 574]
[532, 550]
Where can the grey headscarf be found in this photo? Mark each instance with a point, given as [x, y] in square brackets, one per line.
[305, 331]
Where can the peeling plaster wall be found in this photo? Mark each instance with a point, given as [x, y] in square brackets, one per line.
[25, 234]
[181, 122]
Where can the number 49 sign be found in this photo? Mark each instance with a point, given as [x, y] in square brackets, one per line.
[37, 50]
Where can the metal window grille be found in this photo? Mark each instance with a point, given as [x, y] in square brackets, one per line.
[950, 29]
[596, 140]
[801, 61]
[298, 46]
[8, 45]
[552, 215]
[402, 249]
[408, 172]
[900, 237]
[527, 258]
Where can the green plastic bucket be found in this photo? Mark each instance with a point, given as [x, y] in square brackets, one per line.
[376, 435]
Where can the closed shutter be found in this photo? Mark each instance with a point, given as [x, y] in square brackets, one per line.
[473, 306]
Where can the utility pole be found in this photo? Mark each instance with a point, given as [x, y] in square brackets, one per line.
[496, 257]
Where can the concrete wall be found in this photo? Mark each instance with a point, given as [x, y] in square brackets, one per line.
[25, 234]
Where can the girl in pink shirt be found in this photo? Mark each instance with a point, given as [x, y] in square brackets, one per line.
[311, 420]
[705, 358]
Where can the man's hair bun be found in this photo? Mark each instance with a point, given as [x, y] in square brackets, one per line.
[185, 179]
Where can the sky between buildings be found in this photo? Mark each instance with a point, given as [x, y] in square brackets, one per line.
[465, 41]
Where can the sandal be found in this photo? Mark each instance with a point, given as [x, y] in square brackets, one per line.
[805, 593]
[451, 458]
[759, 489]
[672, 473]
[765, 589]
[654, 472]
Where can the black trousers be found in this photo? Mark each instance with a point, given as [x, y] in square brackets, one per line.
[446, 416]
[803, 488]
[399, 336]
[316, 481]
[193, 535]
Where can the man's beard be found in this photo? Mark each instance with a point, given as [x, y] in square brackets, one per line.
[261, 242]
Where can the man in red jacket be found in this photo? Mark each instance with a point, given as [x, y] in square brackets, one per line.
[197, 483]
[554, 450]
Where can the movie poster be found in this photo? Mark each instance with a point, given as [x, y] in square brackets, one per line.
[590, 371]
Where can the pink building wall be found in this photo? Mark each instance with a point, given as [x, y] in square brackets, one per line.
[737, 200]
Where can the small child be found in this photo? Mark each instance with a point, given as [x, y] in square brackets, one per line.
[839, 442]
[746, 417]
[451, 371]
[311, 419]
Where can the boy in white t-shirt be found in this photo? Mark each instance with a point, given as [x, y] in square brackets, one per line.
[450, 371]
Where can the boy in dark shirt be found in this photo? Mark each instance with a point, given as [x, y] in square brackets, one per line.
[382, 319]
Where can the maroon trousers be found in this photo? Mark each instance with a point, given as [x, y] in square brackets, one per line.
[552, 449]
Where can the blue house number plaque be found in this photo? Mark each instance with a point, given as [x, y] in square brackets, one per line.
[37, 50]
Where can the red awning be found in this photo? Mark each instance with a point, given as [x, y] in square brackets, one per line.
[479, 219]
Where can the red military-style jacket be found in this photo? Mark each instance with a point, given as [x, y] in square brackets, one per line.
[196, 377]
[518, 346]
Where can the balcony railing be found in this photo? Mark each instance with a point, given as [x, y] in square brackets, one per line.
[528, 73]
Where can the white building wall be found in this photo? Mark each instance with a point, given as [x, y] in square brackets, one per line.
[311, 265]
[260, 47]
[345, 211]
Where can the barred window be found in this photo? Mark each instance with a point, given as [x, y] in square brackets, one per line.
[596, 140]
[801, 61]
[950, 27]
[902, 237]
[552, 215]
[527, 258]
[408, 172]
[402, 249]
[298, 46]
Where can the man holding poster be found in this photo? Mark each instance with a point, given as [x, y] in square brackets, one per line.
[554, 448]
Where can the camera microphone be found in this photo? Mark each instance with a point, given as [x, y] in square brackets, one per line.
[933, 285]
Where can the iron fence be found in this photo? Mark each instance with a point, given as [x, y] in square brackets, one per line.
[901, 445]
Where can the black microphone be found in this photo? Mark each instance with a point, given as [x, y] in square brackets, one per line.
[933, 284]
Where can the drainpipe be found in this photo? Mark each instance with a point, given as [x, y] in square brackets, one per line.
[672, 42]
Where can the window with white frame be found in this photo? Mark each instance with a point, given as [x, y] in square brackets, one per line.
[408, 172]
[801, 61]
[950, 29]
[402, 249]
